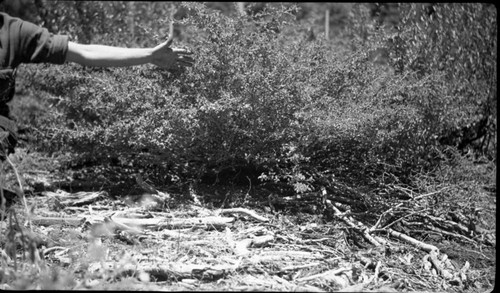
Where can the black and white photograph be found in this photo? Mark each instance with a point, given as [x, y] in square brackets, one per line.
[248, 146]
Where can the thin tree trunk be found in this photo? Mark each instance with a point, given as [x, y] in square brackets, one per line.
[131, 25]
[327, 24]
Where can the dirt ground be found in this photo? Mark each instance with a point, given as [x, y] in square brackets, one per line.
[114, 234]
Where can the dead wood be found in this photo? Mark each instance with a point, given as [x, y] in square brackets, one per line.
[448, 225]
[299, 267]
[327, 276]
[280, 254]
[442, 232]
[54, 248]
[182, 271]
[244, 211]
[260, 241]
[296, 288]
[374, 278]
[120, 226]
[411, 240]
[127, 214]
[76, 199]
[130, 224]
[169, 223]
[350, 222]
[176, 234]
[431, 249]
[241, 247]
[49, 221]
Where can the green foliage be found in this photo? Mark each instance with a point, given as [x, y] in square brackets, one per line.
[261, 94]
[457, 42]
[123, 23]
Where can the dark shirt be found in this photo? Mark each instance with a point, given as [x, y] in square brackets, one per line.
[24, 42]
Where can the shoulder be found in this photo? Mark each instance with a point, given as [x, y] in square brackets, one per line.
[30, 43]
[8, 23]
[13, 28]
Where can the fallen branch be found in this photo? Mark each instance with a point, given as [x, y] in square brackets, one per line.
[431, 249]
[449, 225]
[54, 248]
[327, 276]
[262, 240]
[298, 267]
[247, 212]
[49, 221]
[169, 223]
[411, 240]
[176, 234]
[401, 219]
[431, 193]
[120, 226]
[270, 256]
[375, 275]
[182, 271]
[349, 221]
[451, 234]
[76, 199]
[241, 247]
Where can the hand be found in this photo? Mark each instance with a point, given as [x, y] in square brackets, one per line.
[171, 58]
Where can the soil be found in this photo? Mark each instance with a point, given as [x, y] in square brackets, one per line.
[111, 233]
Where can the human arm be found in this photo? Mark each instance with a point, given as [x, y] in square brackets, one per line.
[29, 43]
[109, 56]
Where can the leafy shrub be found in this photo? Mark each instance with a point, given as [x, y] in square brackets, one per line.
[458, 43]
[260, 95]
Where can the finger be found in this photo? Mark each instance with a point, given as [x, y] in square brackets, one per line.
[181, 51]
[185, 63]
[185, 58]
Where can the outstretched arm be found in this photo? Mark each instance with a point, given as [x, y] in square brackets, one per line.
[108, 56]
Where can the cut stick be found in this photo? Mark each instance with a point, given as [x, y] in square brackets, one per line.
[121, 226]
[293, 268]
[375, 275]
[328, 275]
[241, 247]
[431, 249]
[84, 198]
[169, 223]
[181, 271]
[413, 241]
[49, 221]
[262, 240]
[247, 212]
[76, 199]
[349, 221]
[54, 248]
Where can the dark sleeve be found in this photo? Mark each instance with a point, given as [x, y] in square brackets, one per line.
[29, 43]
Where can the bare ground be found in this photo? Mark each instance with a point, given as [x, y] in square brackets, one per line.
[207, 238]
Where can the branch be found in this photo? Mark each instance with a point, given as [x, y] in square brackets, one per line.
[349, 221]
[246, 212]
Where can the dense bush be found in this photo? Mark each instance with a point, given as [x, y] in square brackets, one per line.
[262, 95]
[457, 42]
